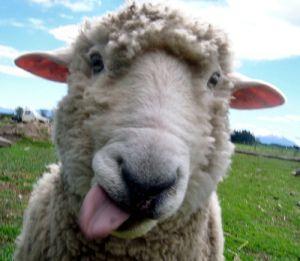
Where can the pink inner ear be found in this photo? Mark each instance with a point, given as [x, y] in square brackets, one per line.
[256, 96]
[43, 66]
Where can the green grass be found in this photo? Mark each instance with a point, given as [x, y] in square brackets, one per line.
[260, 217]
[20, 167]
[270, 149]
[5, 120]
[260, 214]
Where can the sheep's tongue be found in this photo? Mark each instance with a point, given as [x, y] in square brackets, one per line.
[99, 216]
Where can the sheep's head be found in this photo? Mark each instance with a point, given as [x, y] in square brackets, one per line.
[143, 131]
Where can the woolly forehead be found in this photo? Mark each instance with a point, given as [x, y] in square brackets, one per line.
[127, 34]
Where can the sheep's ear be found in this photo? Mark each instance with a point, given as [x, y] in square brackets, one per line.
[250, 94]
[51, 66]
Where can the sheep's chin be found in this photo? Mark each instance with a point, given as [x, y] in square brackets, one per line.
[136, 230]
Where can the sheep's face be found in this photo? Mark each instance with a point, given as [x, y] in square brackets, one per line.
[143, 131]
[152, 133]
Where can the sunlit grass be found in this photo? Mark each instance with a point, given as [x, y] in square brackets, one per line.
[260, 213]
[20, 167]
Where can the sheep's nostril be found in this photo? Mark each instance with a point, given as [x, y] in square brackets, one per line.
[143, 190]
[119, 160]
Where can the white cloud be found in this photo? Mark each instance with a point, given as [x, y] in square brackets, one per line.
[65, 16]
[44, 2]
[65, 33]
[11, 22]
[259, 30]
[12, 70]
[73, 5]
[257, 131]
[81, 6]
[17, 24]
[37, 23]
[281, 119]
[8, 52]
[31, 23]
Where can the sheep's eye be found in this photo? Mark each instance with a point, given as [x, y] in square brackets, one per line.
[96, 63]
[214, 79]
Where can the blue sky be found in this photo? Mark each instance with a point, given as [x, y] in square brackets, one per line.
[267, 47]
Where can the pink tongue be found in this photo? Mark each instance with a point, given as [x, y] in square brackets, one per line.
[99, 216]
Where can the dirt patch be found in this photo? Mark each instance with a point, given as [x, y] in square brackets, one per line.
[32, 130]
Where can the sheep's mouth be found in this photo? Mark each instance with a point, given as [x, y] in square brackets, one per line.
[134, 227]
[131, 222]
[100, 216]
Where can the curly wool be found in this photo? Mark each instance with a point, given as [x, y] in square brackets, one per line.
[194, 233]
[138, 29]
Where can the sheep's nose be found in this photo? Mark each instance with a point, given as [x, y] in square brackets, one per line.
[144, 192]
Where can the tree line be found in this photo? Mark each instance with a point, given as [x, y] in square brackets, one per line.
[243, 136]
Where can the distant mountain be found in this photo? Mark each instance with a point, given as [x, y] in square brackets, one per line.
[272, 139]
[6, 111]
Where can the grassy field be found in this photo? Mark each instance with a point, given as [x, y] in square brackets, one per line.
[259, 202]
[271, 150]
[260, 213]
[20, 166]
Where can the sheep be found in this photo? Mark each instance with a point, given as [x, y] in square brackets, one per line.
[143, 140]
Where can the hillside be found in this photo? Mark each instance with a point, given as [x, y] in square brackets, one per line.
[280, 140]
